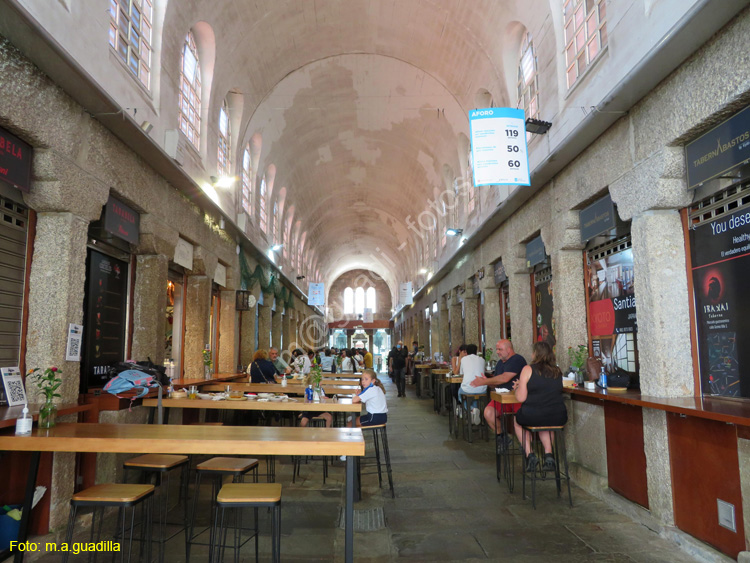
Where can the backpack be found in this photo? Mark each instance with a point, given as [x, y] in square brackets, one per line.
[139, 381]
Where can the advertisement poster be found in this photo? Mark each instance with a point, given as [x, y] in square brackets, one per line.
[498, 146]
[545, 314]
[316, 295]
[720, 252]
[612, 310]
[106, 311]
[405, 295]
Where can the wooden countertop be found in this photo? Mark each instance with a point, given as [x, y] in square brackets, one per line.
[733, 411]
[504, 398]
[8, 415]
[178, 439]
[200, 382]
[295, 389]
[326, 405]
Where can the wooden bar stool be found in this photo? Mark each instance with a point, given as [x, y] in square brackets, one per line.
[468, 427]
[380, 437]
[217, 467]
[538, 472]
[121, 496]
[159, 466]
[315, 422]
[246, 495]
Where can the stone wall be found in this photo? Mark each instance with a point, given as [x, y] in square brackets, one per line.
[364, 279]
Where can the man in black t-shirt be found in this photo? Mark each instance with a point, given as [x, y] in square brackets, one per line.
[507, 372]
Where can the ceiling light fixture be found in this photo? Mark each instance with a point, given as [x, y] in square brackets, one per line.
[454, 232]
[537, 126]
[277, 247]
[223, 181]
[423, 271]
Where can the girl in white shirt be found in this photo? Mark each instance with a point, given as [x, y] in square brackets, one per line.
[372, 396]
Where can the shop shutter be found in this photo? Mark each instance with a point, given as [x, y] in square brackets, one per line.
[13, 225]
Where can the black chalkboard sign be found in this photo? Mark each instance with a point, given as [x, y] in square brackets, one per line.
[106, 313]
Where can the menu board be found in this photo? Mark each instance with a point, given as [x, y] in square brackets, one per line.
[106, 312]
[720, 252]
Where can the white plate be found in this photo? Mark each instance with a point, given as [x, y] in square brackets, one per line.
[276, 399]
[262, 400]
[251, 397]
[205, 396]
[265, 395]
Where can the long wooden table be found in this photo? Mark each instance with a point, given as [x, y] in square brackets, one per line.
[177, 439]
[291, 388]
[325, 405]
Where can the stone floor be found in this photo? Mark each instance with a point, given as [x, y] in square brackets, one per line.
[448, 507]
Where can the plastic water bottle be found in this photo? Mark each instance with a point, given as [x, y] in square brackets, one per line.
[603, 379]
[308, 393]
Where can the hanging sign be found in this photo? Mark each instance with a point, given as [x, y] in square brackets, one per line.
[498, 147]
[220, 275]
[316, 295]
[719, 150]
[15, 161]
[405, 296]
[75, 337]
[500, 275]
[367, 318]
[13, 385]
[535, 253]
[597, 218]
[121, 220]
[183, 254]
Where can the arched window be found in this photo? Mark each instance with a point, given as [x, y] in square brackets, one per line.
[348, 301]
[359, 301]
[190, 91]
[287, 234]
[263, 218]
[370, 298]
[274, 221]
[130, 35]
[528, 85]
[224, 164]
[247, 182]
[585, 35]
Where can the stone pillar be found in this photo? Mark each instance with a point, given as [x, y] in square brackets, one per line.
[519, 289]
[444, 336]
[228, 334]
[56, 281]
[264, 323]
[295, 331]
[149, 308]
[247, 336]
[276, 326]
[658, 465]
[286, 329]
[661, 291]
[457, 328]
[493, 324]
[198, 307]
[472, 334]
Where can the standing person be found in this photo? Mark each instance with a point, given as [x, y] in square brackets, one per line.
[327, 363]
[397, 362]
[261, 369]
[346, 362]
[540, 392]
[359, 360]
[507, 372]
[280, 364]
[368, 359]
[472, 367]
[372, 396]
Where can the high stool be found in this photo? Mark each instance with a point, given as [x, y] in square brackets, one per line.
[558, 451]
[315, 422]
[160, 466]
[217, 467]
[468, 427]
[246, 495]
[120, 496]
[380, 436]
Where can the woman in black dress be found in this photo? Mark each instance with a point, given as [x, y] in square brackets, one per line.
[540, 390]
[262, 369]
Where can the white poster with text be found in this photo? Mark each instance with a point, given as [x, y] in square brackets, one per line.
[498, 147]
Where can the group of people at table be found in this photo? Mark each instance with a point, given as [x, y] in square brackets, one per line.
[267, 365]
[538, 388]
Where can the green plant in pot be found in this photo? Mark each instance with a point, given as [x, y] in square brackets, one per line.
[578, 357]
[316, 376]
[47, 382]
[207, 363]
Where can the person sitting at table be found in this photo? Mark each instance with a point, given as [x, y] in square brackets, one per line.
[372, 396]
[347, 365]
[507, 371]
[326, 362]
[262, 369]
[540, 392]
[307, 416]
[281, 365]
[472, 366]
[312, 357]
[456, 360]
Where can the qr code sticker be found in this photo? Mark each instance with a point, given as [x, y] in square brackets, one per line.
[16, 392]
[75, 344]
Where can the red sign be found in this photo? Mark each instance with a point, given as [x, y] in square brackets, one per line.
[15, 161]
[121, 220]
[602, 317]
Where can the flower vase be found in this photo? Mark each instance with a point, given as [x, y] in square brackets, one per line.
[316, 394]
[206, 372]
[48, 414]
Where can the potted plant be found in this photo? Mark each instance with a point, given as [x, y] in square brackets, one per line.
[47, 382]
[316, 376]
[207, 363]
[488, 359]
[578, 357]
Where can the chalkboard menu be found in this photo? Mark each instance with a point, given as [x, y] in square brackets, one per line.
[106, 310]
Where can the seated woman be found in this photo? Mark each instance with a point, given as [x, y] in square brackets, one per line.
[261, 369]
[540, 390]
